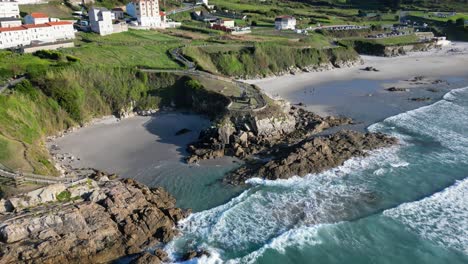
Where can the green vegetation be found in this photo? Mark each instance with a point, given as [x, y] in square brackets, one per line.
[135, 48]
[103, 75]
[13, 64]
[64, 196]
[264, 59]
[26, 114]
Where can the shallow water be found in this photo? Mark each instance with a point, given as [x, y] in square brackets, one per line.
[404, 204]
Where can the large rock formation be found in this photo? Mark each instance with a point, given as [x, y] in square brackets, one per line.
[248, 135]
[311, 156]
[110, 220]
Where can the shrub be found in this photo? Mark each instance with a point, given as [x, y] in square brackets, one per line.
[49, 54]
[71, 58]
[64, 196]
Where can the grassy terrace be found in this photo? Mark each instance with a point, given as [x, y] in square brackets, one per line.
[134, 48]
[392, 41]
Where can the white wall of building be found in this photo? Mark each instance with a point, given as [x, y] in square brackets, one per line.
[9, 8]
[31, 2]
[284, 23]
[146, 12]
[28, 34]
[100, 20]
[36, 18]
[10, 23]
[14, 37]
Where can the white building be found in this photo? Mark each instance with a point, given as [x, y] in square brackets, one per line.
[285, 22]
[36, 18]
[25, 35]
[100, 20]
[9, 8]
[147, 13]
[228, 23]
[118, 13]
[31, 2]
[202, 2]
[10, 22]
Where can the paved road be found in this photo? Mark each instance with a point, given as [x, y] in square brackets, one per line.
[11, 83]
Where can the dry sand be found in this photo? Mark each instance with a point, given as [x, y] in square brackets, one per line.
[449, 61]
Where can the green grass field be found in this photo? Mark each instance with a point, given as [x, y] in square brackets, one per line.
[399, 40]
[12, 64]
[135, 48]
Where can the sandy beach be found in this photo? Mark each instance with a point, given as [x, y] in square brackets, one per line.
[148, 149]
[362, 95]
[449, 61]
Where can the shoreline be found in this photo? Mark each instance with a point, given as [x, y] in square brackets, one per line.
[142, 153]
[448, 61]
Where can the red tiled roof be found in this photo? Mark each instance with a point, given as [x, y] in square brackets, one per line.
[39, 15]
[35, 25]
[11, 29]
[161, 13]
[59, 23]
[24, 27]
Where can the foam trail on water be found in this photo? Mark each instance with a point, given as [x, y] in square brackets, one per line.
[441, 218]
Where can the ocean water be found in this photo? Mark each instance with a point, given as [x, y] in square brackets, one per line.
[403, 204]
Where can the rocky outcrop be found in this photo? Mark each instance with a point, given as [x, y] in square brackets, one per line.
[311, 156]
[110, 220]
[250, 135]
[397, 89]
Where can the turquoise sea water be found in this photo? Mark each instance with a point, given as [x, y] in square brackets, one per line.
[404, 204]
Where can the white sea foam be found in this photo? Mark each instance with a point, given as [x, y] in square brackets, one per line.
[297, 238]
[272, 210]
[444, 122]
[273, 215]
[441, 218]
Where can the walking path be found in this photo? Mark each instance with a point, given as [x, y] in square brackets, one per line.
[11, 83]
[255, 99]
[255, 102]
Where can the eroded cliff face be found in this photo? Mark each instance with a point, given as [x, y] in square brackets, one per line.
[392, 51]
[113, 218]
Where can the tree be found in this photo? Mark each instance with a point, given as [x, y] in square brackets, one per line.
[460, 22]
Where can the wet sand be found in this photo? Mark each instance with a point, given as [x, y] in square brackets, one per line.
[362, 95]
[449, 61]
[147, 149]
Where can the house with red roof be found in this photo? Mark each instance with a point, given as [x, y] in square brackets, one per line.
[35, 34]
[36, 18]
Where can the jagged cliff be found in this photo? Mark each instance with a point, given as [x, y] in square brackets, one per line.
[93, 222]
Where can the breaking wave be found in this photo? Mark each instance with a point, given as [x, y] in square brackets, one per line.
[274, 215]
[441, 218]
